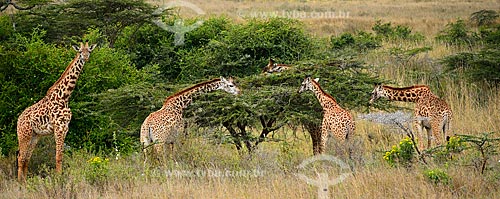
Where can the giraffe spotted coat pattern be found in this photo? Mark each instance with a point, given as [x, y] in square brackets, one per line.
[162, 126]
[336, 120]
[273, 67]
[50, 115]
[431, 112]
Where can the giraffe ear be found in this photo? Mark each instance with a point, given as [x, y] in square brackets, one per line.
[91, 48]
[316, 80]
[222, 79]
[76, 48]
[271, 61]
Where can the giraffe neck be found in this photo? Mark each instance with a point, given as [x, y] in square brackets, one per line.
[64, 86]
[408, 94]
[183, 98]
[325, 99]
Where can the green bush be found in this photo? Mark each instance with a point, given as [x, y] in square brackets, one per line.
[437, 176]
[71, 19]
[244, 49]
[360, 41]
[387, 31]
[457, 34]
[402, 154]
[484, 17]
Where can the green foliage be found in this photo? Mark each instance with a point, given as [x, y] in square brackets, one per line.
[149, 45]
[484, 17]
[402, 154]
[72, 18]
[455, 145]
[403, 56]
[485, 145]
[97, 171]
[361, 41]
[7, 28]
[241, 49]
[387, 31]
[437, 176]
[457, 34]
[481, 66]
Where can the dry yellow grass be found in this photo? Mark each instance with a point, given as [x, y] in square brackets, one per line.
[334, 17]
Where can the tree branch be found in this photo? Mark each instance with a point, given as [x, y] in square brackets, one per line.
[4, 6]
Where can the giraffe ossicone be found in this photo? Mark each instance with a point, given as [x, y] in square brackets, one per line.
[50, 115]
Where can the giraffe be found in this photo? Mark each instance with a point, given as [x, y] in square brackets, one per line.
[163, 126]
[434, 113]
[336, 120]
[50, 115]
[273, 67]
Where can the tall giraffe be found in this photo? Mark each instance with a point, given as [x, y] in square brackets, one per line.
[50, 115]
[273, 67]
[163, 126]
[434, 112]
[336, 120]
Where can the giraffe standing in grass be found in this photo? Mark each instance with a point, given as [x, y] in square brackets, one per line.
[273, 67]
[50, 115]
[432, 113]
[336, 120]
[163, 126]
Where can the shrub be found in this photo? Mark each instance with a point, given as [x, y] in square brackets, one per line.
[361, 41]
[484, 17]
[457, 34]
[97, 170]
[437, 176]
[241, 49]
[387, 31]
[403, 153]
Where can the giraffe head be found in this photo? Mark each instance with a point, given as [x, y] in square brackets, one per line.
[273, 67]
[84, 50]
[269, 66]
[307, 84]
[377, 93]
[229, 86]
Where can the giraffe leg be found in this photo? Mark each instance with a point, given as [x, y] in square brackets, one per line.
[159, 150]
[418, 125]
[171, 151]
[27, 142]
[323, 138]
[60, 134]
[437, 131]
[314, 139]
[61, 129]
[146, 149]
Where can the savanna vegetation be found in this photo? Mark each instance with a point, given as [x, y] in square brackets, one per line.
[251, 145]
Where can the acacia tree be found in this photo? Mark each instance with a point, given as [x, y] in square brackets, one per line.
[268, 102]
[73, 18]
[21, 4]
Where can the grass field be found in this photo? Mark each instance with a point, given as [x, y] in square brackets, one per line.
[202, 169]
